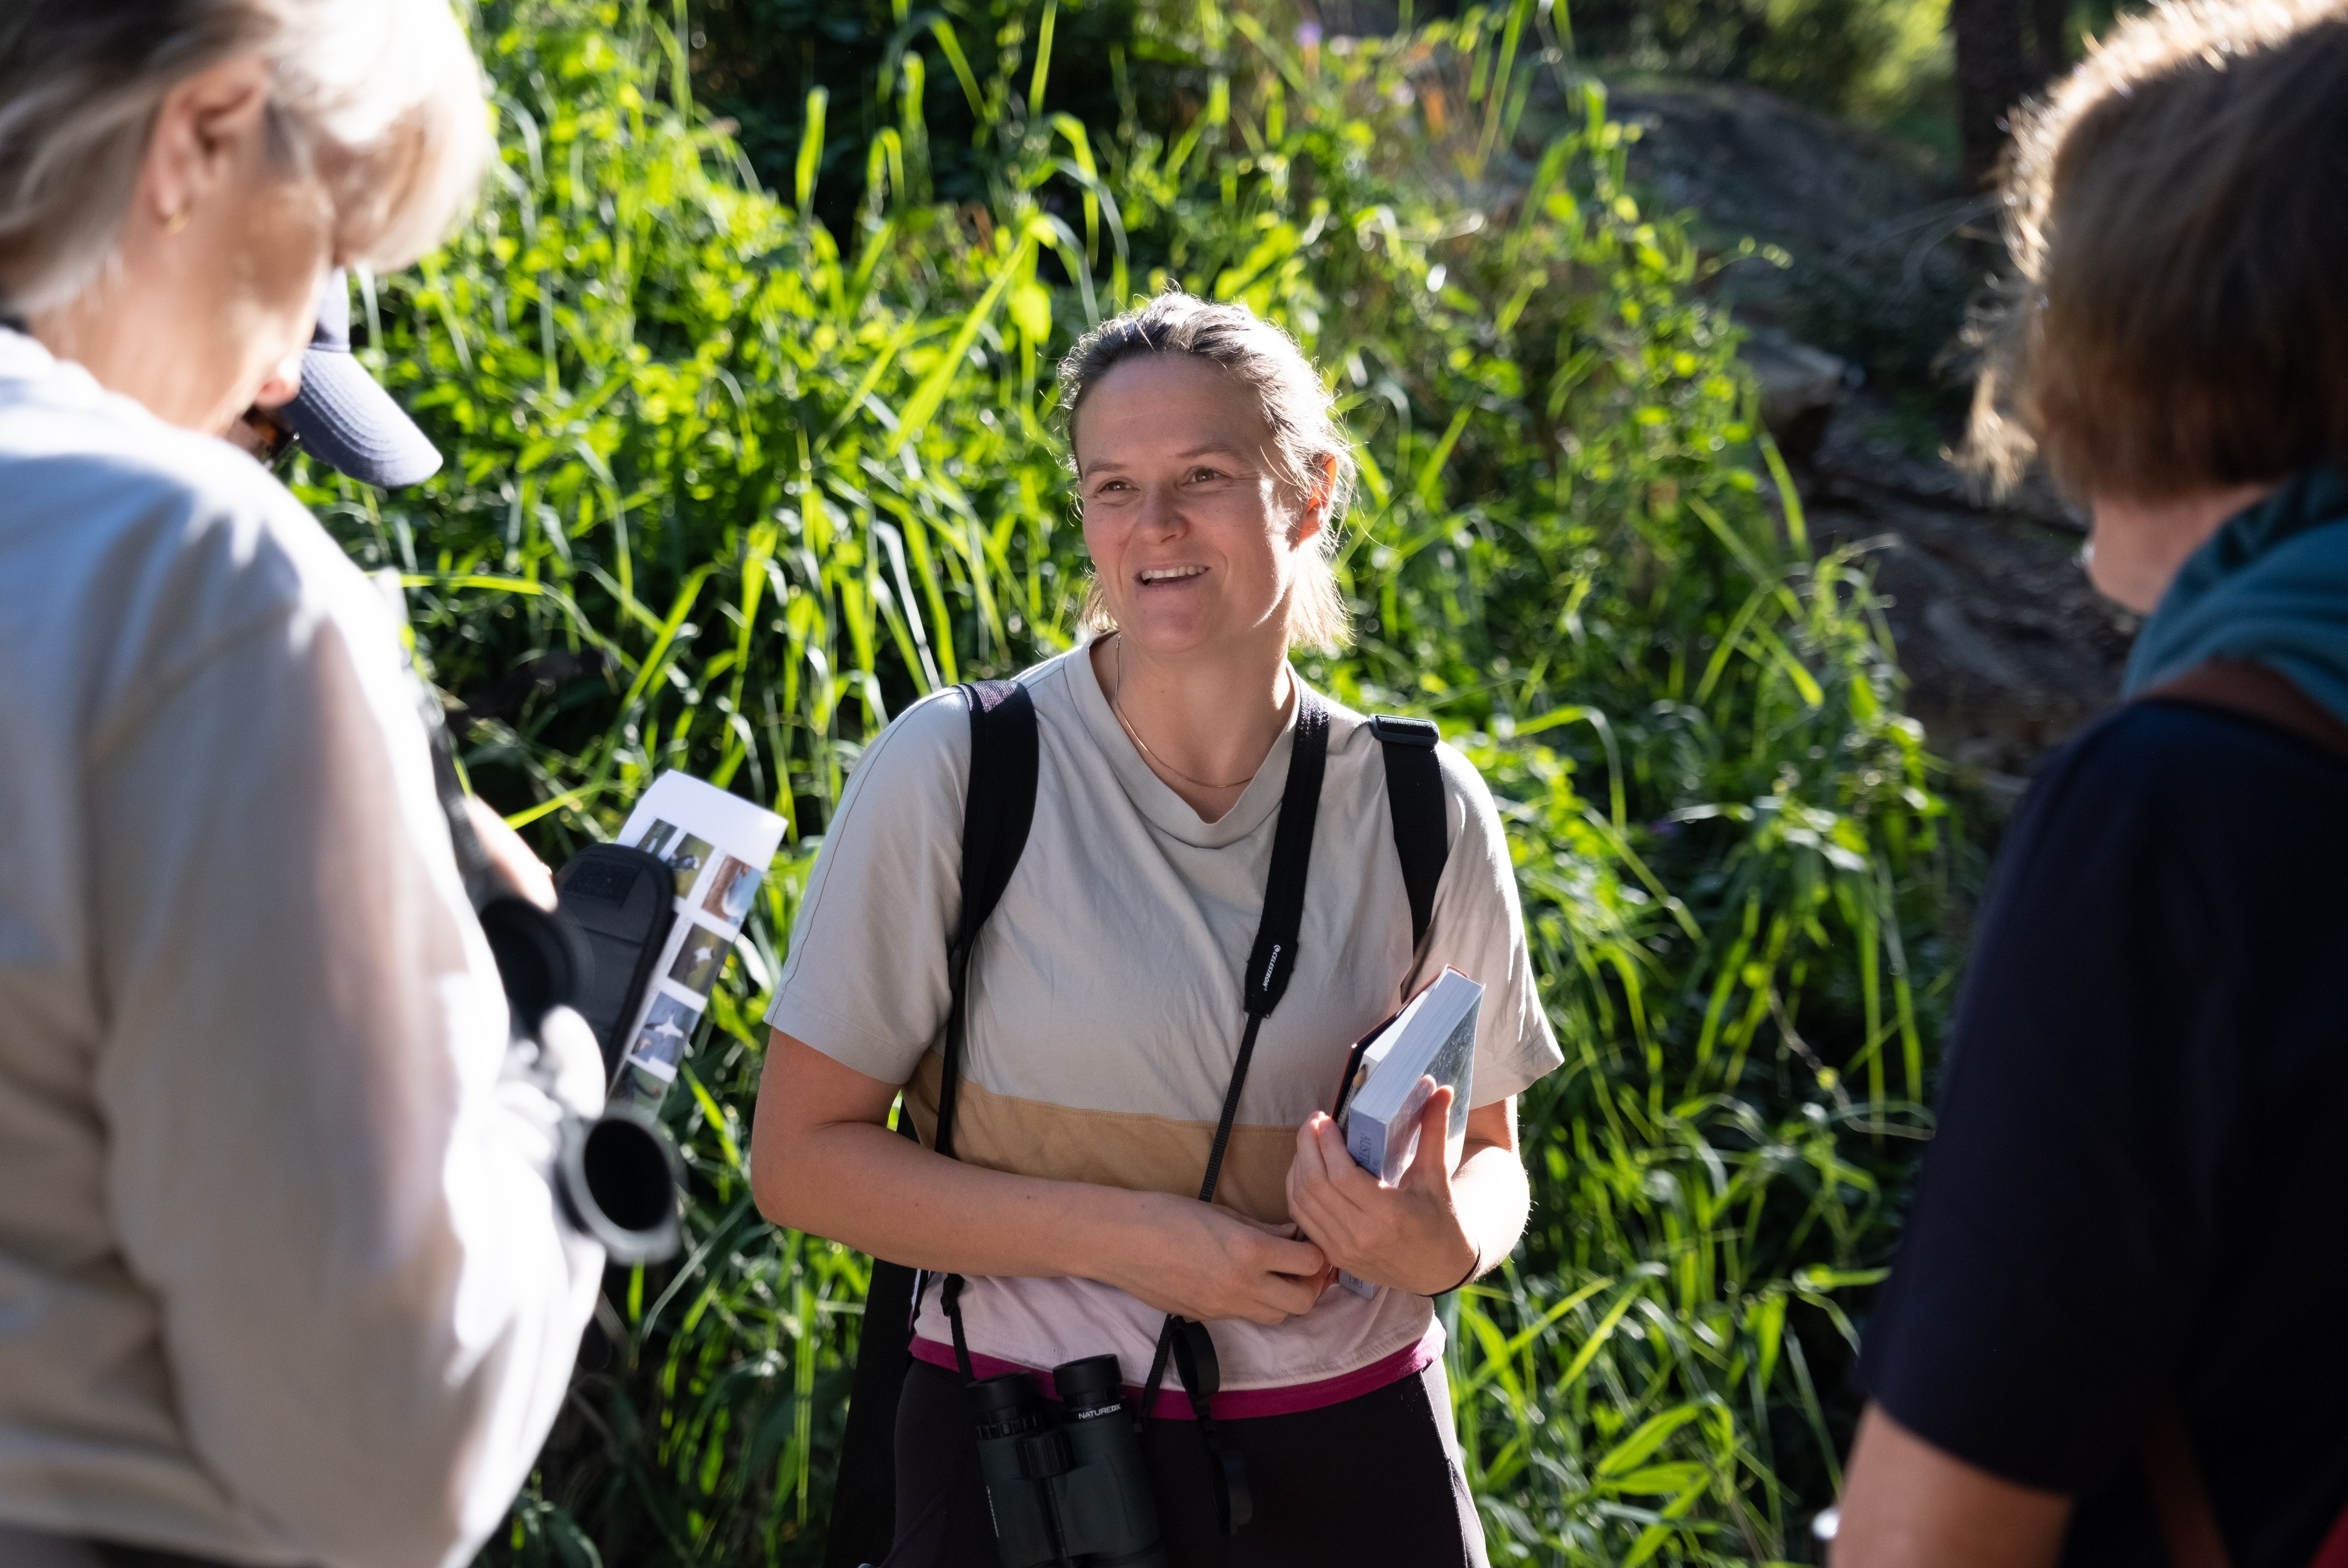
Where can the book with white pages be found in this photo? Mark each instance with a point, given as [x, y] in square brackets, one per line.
[1396, 1069]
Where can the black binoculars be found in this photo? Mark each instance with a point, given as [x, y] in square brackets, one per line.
[1069, 1489]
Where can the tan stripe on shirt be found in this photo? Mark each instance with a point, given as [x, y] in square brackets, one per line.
[1127, 1149]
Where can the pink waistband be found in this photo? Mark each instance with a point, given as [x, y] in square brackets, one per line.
[1238, 1404]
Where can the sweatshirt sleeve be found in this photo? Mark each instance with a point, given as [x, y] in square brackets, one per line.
[318, 1162]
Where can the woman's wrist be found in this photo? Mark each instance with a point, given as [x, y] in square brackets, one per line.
[1474, 1267]
[1101, 1225]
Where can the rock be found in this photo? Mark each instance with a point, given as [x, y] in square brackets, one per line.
[1865, 251]
[1800, 386]
[2007, 648]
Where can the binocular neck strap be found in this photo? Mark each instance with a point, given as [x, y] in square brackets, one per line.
[1270, 963]
[1201, 1369]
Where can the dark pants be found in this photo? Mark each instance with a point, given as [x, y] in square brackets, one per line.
[1373, 1480]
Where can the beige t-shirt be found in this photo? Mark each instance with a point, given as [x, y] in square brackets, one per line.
[1105, 992]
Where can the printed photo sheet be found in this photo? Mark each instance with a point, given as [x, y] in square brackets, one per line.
[718, 846]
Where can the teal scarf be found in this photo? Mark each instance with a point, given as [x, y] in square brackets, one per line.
[2270, 587]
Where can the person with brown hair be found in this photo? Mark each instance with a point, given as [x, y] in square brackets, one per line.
[2111, 1333]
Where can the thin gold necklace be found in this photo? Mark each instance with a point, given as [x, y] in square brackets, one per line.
[1118, 707]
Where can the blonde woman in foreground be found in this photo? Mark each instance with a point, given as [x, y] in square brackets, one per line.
[281, 1280]
[1105, 1003]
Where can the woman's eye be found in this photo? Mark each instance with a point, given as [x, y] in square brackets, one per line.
[1198, 475]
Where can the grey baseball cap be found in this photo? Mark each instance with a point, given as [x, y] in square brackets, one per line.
[344, 418]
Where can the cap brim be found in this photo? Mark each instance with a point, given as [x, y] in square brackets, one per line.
[351, 423]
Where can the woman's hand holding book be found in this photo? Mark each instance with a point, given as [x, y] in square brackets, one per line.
[1410, 1236]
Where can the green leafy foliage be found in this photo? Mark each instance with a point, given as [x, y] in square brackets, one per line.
[727, 489]
[755, 62]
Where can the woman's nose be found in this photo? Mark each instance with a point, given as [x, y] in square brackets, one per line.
[1161, 512]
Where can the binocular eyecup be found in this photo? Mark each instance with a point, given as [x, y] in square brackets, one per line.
[617, 1177]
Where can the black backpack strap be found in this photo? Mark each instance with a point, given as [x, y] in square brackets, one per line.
[1422, 830]
[998, 807]
[997, 810]
[864, 1496]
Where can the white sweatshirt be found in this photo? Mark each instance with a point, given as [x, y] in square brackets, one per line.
[282, 1279]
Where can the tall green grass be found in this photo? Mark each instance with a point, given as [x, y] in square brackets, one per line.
[728, 489]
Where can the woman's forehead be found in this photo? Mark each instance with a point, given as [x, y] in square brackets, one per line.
[1167, 406]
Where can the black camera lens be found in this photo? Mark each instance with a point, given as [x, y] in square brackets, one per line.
[1005, 1406]
[628, 1174]
[618, 1177]
[1093, 1385]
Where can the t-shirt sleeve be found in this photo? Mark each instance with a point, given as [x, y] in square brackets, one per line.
[2066, 1226]
[1478, 927]
[865, 982]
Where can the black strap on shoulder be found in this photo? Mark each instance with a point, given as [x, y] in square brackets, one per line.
[1422, 831]
[998, 807]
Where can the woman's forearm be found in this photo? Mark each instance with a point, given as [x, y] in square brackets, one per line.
[882, 1193]
[823, 1160]
[1493, 1199]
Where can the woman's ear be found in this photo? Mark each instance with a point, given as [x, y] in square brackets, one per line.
[201, 129]
[1314, 516]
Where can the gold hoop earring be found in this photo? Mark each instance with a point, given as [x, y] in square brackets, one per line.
[175, 222]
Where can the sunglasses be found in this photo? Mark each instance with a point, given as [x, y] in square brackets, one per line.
[268, 437]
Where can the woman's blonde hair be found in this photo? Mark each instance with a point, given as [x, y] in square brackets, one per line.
[2176, 211]
[1310, 450]
[379, 99]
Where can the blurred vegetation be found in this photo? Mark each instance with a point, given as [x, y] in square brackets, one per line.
[1881, 62]
[731, 482]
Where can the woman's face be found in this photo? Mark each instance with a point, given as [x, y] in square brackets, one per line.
[220, 259]
[1194, 538]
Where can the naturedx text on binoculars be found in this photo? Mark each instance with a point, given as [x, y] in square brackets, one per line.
[1070, 1488]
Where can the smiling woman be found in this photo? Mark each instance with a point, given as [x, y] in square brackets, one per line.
[1101, 1067]
[1283, 443]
